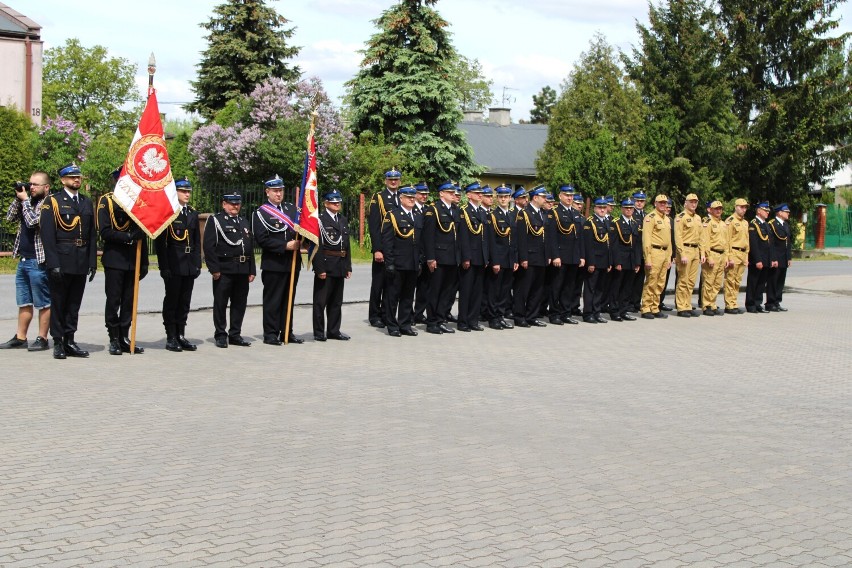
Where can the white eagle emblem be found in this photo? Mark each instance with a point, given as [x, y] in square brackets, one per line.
[152, 162]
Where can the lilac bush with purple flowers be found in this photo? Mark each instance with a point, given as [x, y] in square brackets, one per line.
[60, 142]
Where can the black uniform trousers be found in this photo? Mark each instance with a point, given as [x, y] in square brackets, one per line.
[118, 312]
[577, 291]
[636, 293]
[498, 303]
[66, 296]
[229, 289]
[562, 290]
[421, 292]
[756, 284]
[177, 300]
[276, 288]
[470, 295]
[399, 298]
[377, 290]
[594, 290]
[621, 285]
[776, 279]
[328, 300]
[529, 294]
[442, 293]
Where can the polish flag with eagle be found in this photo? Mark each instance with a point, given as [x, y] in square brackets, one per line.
[307, 212]
[146, 189]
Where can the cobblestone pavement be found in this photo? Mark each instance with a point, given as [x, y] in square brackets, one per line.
[722, 441]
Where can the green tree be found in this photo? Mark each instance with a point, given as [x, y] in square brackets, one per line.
[593, 163]
[247, 44]
[16, 161]
[688, 98]
[91, 89]
[404, 92]
[474, 89]
[791, 95]
[595, 97]
[543, 104]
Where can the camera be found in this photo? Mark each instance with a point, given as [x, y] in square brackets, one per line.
[19, 185]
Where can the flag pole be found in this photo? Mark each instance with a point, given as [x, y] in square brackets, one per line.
[152, 68]
[296, 252]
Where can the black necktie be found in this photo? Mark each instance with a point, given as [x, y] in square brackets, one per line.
[184, 210]
[74, 197]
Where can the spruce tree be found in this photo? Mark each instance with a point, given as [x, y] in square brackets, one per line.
[405, 92]
[791, 95]
[247, 44]
[677, 68]
[543, 105]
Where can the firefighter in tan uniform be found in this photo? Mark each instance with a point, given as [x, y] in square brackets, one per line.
[738, 255]
[715, 249]
[656, 246]
[689, 256]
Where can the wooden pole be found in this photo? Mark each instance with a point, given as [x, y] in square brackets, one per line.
[135, 297]
[288, 313]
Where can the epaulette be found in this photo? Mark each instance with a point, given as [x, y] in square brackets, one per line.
[429, 213]
[681, 214]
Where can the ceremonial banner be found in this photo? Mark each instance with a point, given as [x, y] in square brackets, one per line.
[307, 212]
[146, 189]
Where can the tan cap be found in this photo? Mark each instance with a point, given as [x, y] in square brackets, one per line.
[691, 197]
[715, 204]
[741, 201]
[660, 197]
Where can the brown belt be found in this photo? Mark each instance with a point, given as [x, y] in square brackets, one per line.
[340, 253]
[720, 251]
[739, 249]
[77, 242]
[239, 259]
[689, 245]
[658, 247]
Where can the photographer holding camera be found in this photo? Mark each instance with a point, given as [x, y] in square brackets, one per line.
[31, 282]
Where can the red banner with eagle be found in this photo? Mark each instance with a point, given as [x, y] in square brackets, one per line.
[307, 220]
[146, 188]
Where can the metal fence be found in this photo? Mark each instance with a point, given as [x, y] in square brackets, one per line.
[838, 227]
[207, 198]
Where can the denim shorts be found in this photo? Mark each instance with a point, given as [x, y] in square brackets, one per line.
[31, 285]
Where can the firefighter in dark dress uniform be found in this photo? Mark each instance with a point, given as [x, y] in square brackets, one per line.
[626, 244]
[421, 290]
[382, 202]
[273, 230]
[473, 252]
[502, 262]
[119, 234]
[332, 266]
[598, 262]
[230, 260]
[532, 259]
[780, 257]
[179, 257]
[442, 258]
[401, 246]
[69, 236]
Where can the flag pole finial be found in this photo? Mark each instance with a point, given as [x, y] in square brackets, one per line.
[152, 68]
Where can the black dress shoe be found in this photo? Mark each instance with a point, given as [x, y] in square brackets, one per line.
[556, 321]
[734, 311]
[125, 346]
[477, 327]
[666, 308]
[222, 342]
[589, 319]
[780, 308]
[58, 350]
[599, 319]
[339, 336]
[760, 310]
[434, 329]
[615, 317]
[537, 323]
[238, 340]
[73, 350]
[294, 339]
[660, 315]
[495, 325]
[521, 323]
[452, 319]
[463, 328]
[377, 323]
[319, 337]
[570, 321]
[647, 316]
[185, 344]
[394, 333]
[709, 312]
[684, 314]
[445, 329]
[752, 310]
[628, 317]
[115, 349]
[409, 332]
[507, 324]
[273, 341]
[420, 319]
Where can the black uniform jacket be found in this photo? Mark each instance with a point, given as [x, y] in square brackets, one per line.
[179, 246]
[502, 243]
[272, 234]
[626, 243]
[565, 234]
[382, 202]
[69, 234]
[780, 242]
[596, 243]
[115, 226]
[758, 242]
[228, 245]
[439, 234]
[401, 241]
[473, 242]
[532, 246]
[334, 256]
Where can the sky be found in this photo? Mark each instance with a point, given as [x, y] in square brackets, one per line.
[522, 46]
